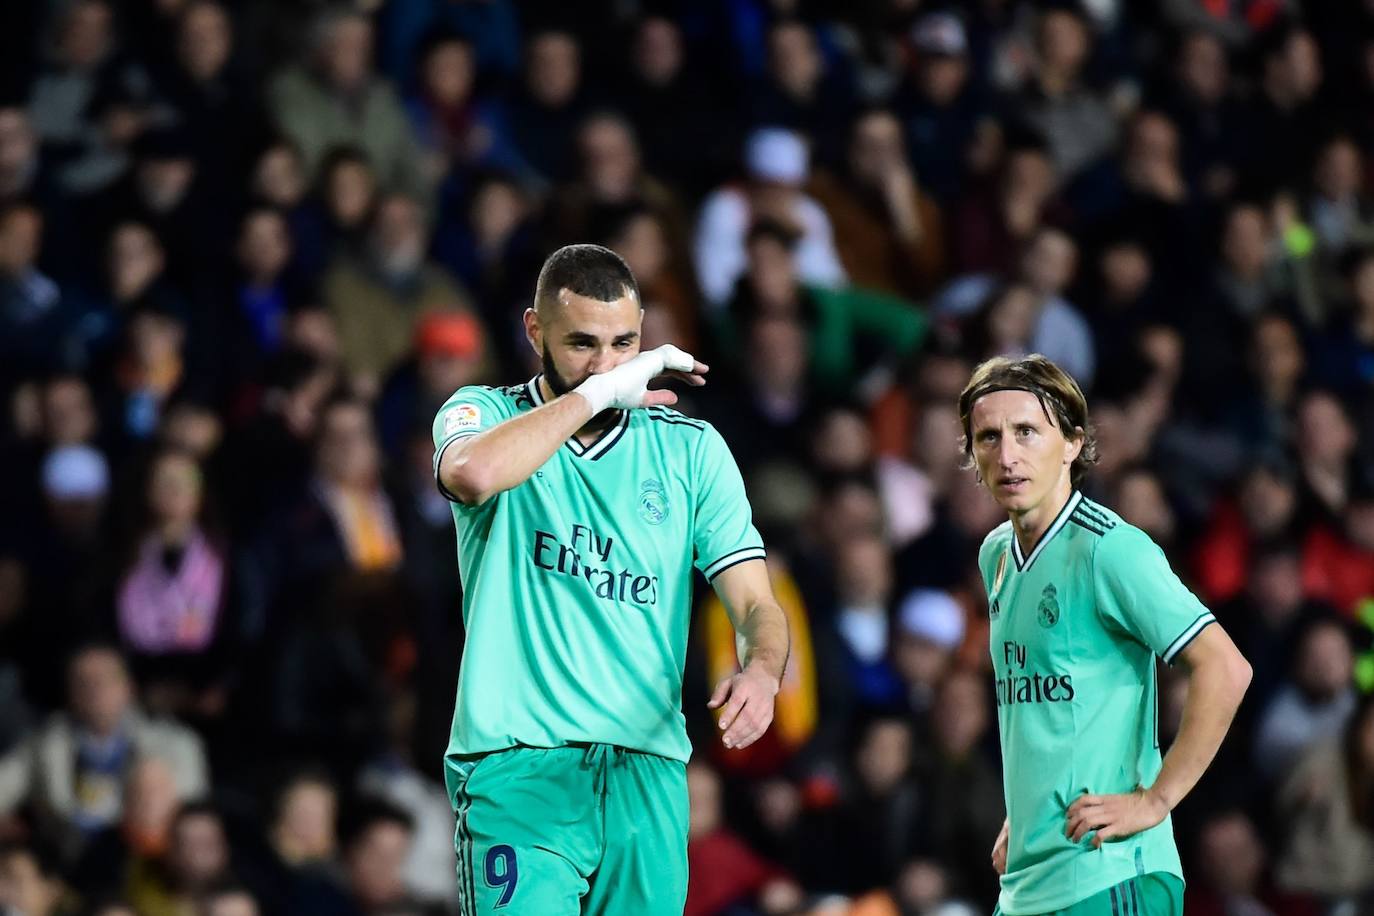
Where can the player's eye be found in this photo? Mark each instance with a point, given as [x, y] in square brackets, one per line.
[622, 345]
[1024, 431]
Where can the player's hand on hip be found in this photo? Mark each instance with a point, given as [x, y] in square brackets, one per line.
[1114, 817]
[627, 385]
[745, 701]
[999, 848]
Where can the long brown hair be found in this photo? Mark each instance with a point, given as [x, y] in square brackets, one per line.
[1059, 395]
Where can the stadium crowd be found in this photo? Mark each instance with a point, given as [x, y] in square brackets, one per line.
[248, 247]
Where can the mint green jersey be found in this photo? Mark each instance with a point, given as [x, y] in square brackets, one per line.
[1076, 627]
[577, 583]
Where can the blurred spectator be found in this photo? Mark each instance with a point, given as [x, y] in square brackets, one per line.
[930, 627]
[1264, 508]
[89, 102]
[887, 229]
[1277, 364]
[994, 219]
[31, 321]
[1057, 102]
[853, 335]
[1338, 560]
[923, 886]
[880, 795]
[341, 603]
[1200, 100]
[663, 270]
[1057, 329]
[492, 27]
[1343, 354]
[31, 883]
[173, 608]
[1341, 211]
[375, 851]
[864, 593]
[215, 99]
[1287, 116]
[777, 164]
[394, 778]
[1268, 616]
[686, 138]
[449, 353]
[22, 175]
[490, 246]
[228, 899]
[264, 292]
[799, 89]
[378, 297]
[337, 100]
[143, 833]
[196, 858]
[1313, 704]
[1326, 441]
[722, 870]
[550, 103]
[939, 104]
[610, 184]
[70, 771]
[457, 129]
[961, 808]
[1327, 810]
[764, 408]
[1235, 873]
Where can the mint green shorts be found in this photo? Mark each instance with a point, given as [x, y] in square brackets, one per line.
[1156, 894]
[586, 829]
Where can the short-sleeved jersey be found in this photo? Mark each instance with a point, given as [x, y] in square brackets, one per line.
[1075, 629]
[577, 583]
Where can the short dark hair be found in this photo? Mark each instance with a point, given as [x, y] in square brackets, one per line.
[585, 270]
[369, 812]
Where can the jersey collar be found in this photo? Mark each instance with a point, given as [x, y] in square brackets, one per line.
[1060, 520]
[601, 445]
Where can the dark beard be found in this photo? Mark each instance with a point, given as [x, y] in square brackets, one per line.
[561, 386]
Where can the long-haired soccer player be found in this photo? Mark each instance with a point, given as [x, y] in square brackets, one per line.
[1081, 605]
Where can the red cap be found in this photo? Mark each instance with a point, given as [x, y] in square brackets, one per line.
[448, 334]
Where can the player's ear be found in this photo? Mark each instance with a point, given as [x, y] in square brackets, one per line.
[533, 332]
[1075, 445]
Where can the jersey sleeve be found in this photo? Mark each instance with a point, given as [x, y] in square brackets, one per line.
[723, 527]
[468, 412]
[1139, 593]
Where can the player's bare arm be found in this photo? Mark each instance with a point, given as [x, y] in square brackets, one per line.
[746, 698]
[1217, 678]
[592, 364]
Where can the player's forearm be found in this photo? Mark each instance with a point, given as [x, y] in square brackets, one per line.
[762, 639]
[476, 469]
[1215, 689]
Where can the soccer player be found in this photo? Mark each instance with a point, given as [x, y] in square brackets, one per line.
[1081, 603]
[582, 502]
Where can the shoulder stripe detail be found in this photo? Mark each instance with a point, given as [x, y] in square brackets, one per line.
[1096, 515]
[1086, 525]
[717, 567]
[666, 415]
[1187, 636]
[674, 421]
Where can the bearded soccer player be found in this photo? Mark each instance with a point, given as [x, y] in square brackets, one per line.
[1081, 605]
[582, 503]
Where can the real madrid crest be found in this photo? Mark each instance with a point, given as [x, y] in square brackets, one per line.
[1047, 612]
[653, 502]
